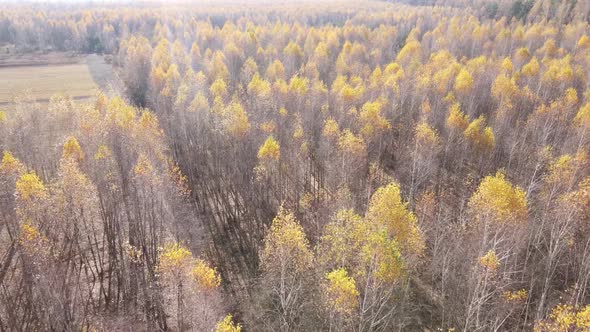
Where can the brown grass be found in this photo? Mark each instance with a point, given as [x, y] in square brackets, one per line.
[42, 82]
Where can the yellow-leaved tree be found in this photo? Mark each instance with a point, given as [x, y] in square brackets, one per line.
[378, 251]
[228, 325]
[499, 216]
[286, 260]
[565, 317]
[194, 284]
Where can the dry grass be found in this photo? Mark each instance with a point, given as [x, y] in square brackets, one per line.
[42, 82]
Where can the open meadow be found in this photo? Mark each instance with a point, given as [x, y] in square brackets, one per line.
[75, 76]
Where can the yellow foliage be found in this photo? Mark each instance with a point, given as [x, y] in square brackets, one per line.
[343, 238]
[227, 325]
[565, 318]
[174, 259]
[443, 77]
[531, 68]
[259, 87]
[29, 234]
[72, 149]
[363, 246]
[348, 143]
[499, 200]
[30, 238]
[298, 132]
[286, 245]
[516, 296]
[149, 122]
[387, 209]
[507, 65]
[341, 291]
[207, 278]
[293, 49]
[103, 152]
[275, 71]
[236, 119]
[200, 103]
[143, 166]
[270, 150]
[522, 54]
[490, 261]
[463, 82]
[29, 186]
[371, 118]
[481, 138]
[504, 86]
[283, 111]
[218, 88]
[559, 71]
[382, 248]
[426, 136]
[457, 120]
[583, 43]
[9, 163]
[563, 169]
[298, 85]
[570, 99]
[121, 113]
[582, 118]
[331, 128]
[410, 51]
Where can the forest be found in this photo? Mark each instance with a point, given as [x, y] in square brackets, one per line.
[366, 166]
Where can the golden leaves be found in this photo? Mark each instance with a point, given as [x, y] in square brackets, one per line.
[218, 88]
[490, 261]
[565, 317]
[206, 277]
[498, 200]
[411, 50]
[73, 150]
[235, 119]
[298, 85]
[426, 136]
[29, 186]
[348, 143]
[270, 150]
[518, 296]
[387, 210]
[558, 71]
[504, 87]
[582, 118]
[227, 325]
[481, 138]
[457, 120]
[463, 82]
[331, 129]
[341, 292]
[176, 261]
[286, 245]
[531, 68]
[174, 258]
[10, 164]
[259, 87]
[372, 120]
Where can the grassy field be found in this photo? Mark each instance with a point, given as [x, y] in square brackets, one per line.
[77, 77]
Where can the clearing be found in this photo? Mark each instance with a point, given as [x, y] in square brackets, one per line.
[44, 75]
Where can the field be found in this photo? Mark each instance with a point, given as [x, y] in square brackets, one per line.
[78, 77]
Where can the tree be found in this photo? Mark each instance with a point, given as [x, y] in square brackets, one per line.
[227, 325]
[286, 261]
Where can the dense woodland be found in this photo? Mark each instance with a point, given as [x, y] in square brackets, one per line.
[366, 166]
